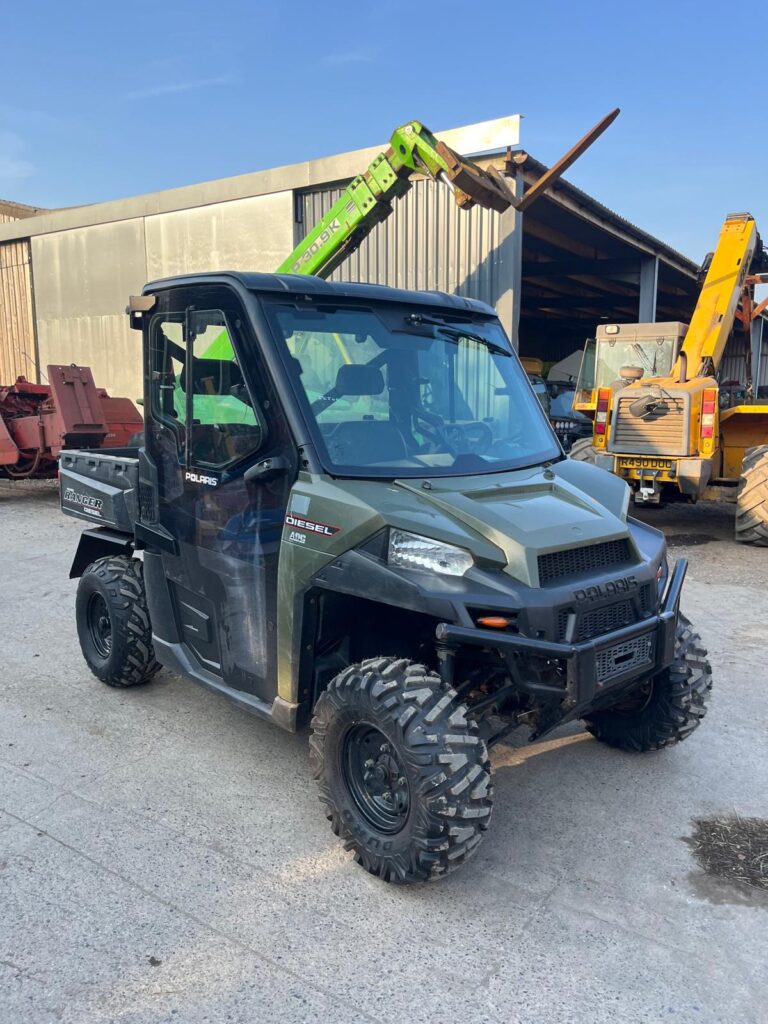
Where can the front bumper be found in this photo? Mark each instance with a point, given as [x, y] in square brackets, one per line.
[592, 667]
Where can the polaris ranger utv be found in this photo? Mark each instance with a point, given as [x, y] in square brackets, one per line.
[351, 512]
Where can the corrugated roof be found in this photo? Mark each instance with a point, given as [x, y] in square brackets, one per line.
[9, 208]
[584, 200]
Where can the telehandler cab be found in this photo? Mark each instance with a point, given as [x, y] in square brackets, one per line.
[350, 512]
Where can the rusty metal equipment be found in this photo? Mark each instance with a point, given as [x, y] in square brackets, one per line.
[38, 420]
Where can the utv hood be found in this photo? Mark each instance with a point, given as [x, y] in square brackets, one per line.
[530, 512]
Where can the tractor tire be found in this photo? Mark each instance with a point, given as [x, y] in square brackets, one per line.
[113, 622]
[583, 450]
[665, 711]
[403, 774]
[752, 500]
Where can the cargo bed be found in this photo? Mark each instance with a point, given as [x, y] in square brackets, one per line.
[100, 488]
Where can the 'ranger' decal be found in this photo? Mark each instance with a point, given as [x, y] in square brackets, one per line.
[87, 502]
[311, 526]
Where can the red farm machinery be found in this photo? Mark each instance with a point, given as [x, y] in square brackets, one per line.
[38, 420]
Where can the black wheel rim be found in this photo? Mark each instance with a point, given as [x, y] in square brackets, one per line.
[376, 779]
[636, 703]
[100, 625]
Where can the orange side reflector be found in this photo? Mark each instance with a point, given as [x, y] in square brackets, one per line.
[493, 622]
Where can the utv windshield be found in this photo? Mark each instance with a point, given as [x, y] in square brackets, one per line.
[401, 391]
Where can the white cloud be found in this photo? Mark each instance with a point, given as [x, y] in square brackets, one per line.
[176, 87]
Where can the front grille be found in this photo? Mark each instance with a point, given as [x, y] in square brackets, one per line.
[600, 621]
[557, 564]
[664, 431]
[625, 657]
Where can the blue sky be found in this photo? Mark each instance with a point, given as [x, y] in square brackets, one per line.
[102, 100]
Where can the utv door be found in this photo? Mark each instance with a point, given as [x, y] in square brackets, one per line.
[225, 465]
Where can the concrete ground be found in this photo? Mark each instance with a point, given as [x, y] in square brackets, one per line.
[163, 855]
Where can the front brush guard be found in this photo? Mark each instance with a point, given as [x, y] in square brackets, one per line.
[581, 661]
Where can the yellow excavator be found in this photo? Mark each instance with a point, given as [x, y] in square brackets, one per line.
[662, 418]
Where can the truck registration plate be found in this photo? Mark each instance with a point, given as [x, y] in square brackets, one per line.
[646, 463]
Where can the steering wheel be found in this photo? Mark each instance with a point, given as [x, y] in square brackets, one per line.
[431, 426]
[466, 438]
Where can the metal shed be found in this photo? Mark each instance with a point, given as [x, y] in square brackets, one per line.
[18, 355]
[553, 274]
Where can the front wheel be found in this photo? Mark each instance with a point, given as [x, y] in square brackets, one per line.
[752, 499]
[404, 776]
[113, 622]
[667, 708]
[583, 450]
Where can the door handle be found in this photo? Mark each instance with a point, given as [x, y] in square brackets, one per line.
[267, 469]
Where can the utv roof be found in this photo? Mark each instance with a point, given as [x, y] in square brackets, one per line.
[301, 284]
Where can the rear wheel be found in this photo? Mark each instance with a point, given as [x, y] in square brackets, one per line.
[404, 776]
[752, 500]
[667, 708]
[582, 450]
[113, 622]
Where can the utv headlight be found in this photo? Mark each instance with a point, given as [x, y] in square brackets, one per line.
[411, 551]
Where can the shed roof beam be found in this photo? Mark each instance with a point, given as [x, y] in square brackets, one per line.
[568, 268]
[576, 301]
[649, 289]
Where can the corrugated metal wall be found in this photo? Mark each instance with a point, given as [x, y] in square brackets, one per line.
[17, 326]
[427, 243]
[83, 276]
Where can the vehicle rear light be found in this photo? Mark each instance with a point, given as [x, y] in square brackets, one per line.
[601, 411]
[708, 411]
[603, 399]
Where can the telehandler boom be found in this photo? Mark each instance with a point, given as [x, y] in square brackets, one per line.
[663, 419]
[413, 150]
[367, 200]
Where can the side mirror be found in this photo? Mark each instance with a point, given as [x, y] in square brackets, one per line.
[267, 469]
[137, 306]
